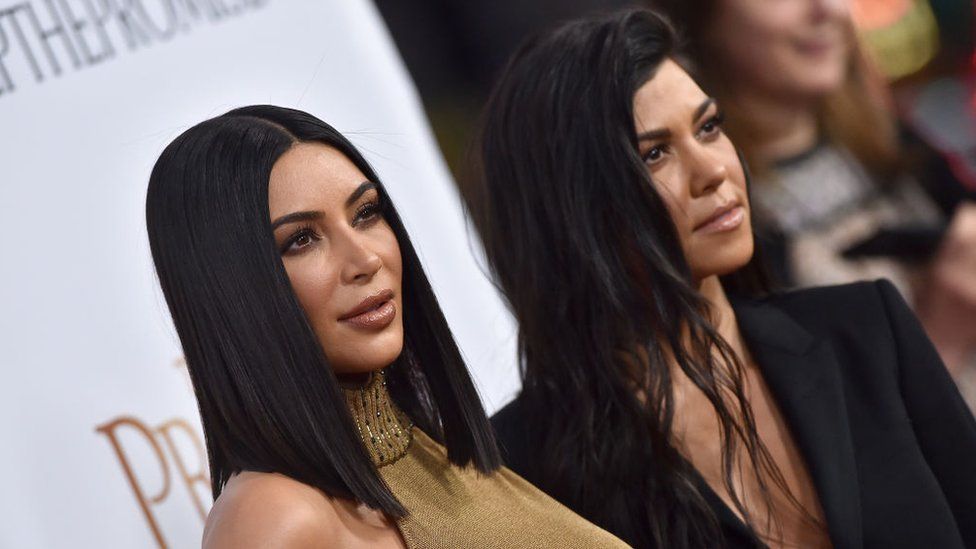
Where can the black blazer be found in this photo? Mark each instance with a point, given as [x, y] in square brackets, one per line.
[889, 442]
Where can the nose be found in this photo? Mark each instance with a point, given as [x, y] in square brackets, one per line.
[829, 9]
[706, 170]
[360, 262]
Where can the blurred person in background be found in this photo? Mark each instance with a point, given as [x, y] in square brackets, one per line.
[666, 394]
[842, 192]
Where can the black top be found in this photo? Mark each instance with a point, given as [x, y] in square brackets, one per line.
[889, 442]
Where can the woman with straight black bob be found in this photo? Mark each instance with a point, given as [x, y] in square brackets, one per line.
[336, 406]
[667, 395]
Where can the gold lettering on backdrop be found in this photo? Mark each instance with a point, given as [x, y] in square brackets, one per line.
[163, 436]
[200, 476]
[108, 429]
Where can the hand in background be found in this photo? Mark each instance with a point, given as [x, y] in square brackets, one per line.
[946, 302]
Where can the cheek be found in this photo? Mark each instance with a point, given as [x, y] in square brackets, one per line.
[672, 192]
[314, 282]
[677, 201]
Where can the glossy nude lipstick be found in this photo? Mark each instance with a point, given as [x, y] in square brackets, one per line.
[724, 218]
[375, 312]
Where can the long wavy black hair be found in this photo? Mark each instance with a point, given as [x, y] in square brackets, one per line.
[589, 260]
[268, 398]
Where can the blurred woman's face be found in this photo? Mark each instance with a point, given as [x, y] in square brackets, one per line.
[796, 49]
[696, 171]
[341, 256]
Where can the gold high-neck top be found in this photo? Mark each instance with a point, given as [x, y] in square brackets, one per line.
[385, 430]
[454, 507]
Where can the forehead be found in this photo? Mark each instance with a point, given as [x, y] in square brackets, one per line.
[667, 99]
[311, 176]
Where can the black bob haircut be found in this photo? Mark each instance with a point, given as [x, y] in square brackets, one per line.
[269, 400]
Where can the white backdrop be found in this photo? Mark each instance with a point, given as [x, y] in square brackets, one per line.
[100, 430]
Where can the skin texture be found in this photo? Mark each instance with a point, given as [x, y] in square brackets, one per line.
[346, 253]
[345, 256]
[695, 169]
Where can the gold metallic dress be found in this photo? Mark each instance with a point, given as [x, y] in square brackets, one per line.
[453, 507]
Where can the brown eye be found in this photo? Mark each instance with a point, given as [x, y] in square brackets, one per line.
[654, 154]
[302, 239]
[712, 126]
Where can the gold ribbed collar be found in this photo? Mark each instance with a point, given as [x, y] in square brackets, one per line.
[386, 431]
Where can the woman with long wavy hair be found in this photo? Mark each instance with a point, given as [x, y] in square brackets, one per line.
[337, 409]
[667, 395]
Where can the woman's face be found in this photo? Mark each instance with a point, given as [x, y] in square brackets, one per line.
[797, 49]
[341, 256]
[696, 171]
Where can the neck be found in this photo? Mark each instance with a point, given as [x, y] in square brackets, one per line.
[723, 314]
[778, 128]
[354, 380]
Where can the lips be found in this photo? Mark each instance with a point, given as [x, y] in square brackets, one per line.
[724, 218]
[377, 311]
[818, 45]
[815, 48]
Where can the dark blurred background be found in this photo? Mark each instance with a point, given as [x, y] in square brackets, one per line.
[454, 48]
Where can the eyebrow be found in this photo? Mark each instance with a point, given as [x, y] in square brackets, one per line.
[295, 217]
[360, 191]
[651, 135]
[702, 108]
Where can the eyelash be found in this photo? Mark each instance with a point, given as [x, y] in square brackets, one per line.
[300, 232]
[715, 122]
[367, 213]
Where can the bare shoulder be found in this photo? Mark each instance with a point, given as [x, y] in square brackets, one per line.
[273, 510]
[269, 510]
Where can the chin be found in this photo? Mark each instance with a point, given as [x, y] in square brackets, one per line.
[724, 260]
[821, 78]
[824, 84]
[364, 364]
[368, 354]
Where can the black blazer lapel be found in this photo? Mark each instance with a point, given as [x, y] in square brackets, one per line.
[804, 378]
